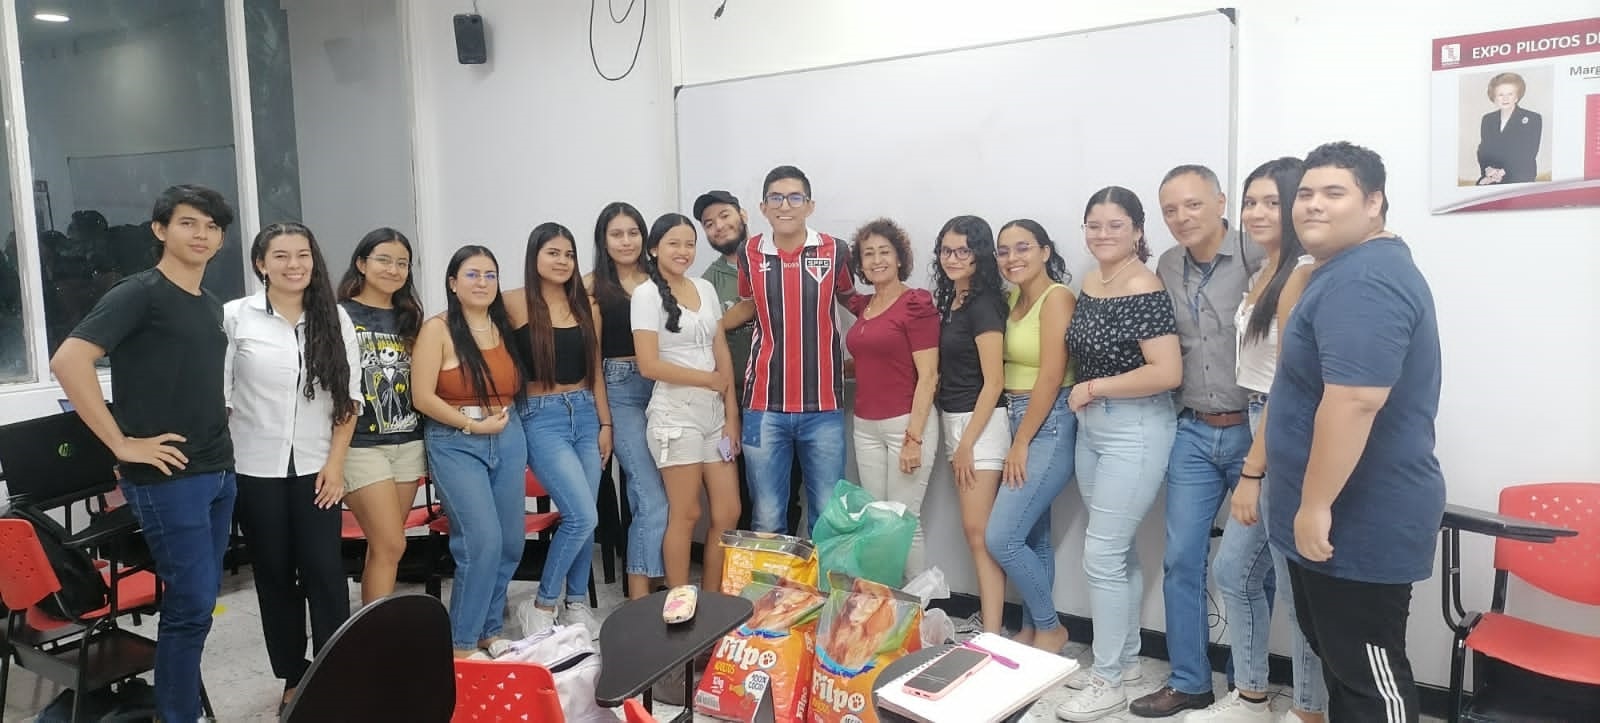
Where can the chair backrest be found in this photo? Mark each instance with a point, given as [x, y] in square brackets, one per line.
[26, 577]
[1570, 566]
[491, 691]
[532, 487]
[390, 661]
[634, 711]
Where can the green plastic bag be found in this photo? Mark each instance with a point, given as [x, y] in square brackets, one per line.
[862, 537]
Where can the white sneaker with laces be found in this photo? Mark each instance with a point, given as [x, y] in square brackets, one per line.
[1232, 709]
[577, 613]
[1094, 702]
[536, 619]
[1080, 677]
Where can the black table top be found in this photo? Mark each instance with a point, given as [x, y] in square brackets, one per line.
[637, 647]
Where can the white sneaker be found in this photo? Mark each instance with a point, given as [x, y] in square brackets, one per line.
[1233, 709]
[1080, 677]
[535, 619]
[577, 613]
[1094, 702]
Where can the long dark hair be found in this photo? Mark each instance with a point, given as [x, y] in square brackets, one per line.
[607, 287]
[325, 362]
[467, 350]
[1285, 173]
[986, 284]
[1056, 266]
[1128, 201]
[658, 230]
[541, 332]
[407, 304]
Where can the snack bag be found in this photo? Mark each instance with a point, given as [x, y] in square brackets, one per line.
[770, 652]
[863, 628]
[745, 552]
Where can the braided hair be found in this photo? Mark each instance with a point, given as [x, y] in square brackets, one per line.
[658, 230]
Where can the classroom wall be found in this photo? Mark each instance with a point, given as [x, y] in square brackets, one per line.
[1520, 396]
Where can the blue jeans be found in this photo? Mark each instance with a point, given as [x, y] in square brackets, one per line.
[770, 441]
[185, 522]
[481, 481]
[1247, 570]
[1205, 464]
[628, 393]
[1122, 452]
[564, 452]
[1018, 535]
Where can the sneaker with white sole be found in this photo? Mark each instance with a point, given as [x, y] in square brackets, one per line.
[577, 613]
[1080, 677]
[535, 619]
[1094, 702]
[1233, 709]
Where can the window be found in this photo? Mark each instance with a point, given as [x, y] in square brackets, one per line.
[16, 364]
[123, 100]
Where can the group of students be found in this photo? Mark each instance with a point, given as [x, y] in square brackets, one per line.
[317, 395]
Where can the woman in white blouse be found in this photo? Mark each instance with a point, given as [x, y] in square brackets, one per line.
[692, 422]
[292, 403]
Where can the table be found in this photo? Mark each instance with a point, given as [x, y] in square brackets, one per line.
[905, 665]
[637, 648]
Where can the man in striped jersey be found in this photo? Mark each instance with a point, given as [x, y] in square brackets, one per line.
[794, 383]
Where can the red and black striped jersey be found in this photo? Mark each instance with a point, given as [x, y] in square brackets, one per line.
[796, 359]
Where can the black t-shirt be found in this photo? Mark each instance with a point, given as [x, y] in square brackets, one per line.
[960, 371]
[167, 349]
[387, 416]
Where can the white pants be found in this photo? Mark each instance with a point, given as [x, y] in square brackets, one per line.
[877, 445]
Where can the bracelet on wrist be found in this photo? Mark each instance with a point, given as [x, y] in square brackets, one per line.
[1256, 477]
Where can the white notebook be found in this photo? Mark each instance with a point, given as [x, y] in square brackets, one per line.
[992, 693]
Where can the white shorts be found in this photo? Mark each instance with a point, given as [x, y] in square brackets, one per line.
[684, 425]
[989, 453]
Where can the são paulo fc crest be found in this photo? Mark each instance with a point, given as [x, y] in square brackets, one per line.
[819, 268]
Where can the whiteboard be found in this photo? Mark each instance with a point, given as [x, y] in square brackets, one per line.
[1023, 129]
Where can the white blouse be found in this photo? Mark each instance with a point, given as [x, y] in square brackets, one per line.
[263, 384]
[692, 345]
[1257, 359]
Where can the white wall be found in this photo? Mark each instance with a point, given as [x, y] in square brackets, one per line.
[535, 134]
[1308, 73]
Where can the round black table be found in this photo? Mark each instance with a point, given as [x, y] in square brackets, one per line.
[905, 665]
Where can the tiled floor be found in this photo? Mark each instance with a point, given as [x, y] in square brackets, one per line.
[243, 689]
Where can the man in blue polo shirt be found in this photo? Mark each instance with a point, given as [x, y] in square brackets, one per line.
[1355, 493]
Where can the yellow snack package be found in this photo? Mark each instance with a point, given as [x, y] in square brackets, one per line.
[745, 552]
[863, 627]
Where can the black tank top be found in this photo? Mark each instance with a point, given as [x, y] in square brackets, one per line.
[616, 327]
[571, 361]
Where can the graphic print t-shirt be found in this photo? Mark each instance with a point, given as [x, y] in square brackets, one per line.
[387, 416]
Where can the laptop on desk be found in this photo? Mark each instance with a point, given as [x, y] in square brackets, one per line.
[53, 461]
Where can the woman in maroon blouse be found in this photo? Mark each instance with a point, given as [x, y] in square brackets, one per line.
[895, 344]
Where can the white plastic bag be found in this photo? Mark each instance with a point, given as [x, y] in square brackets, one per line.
[929, 585]
[570, 655]
[937, 628]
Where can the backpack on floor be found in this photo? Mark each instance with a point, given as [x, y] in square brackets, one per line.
[83, 590]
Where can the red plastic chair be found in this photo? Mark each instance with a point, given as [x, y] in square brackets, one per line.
[635, 712]
[491, 692]
[1567, 567]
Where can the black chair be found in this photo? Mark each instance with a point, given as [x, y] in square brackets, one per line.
[390, 661]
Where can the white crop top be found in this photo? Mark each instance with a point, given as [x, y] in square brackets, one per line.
[692, 345]
[1257, 358]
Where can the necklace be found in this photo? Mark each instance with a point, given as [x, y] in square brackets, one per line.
[1118, 272]
[486, 327]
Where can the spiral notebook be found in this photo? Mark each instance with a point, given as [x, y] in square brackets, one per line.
[992, 693]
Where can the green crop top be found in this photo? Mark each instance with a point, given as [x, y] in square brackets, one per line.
[1022, 344]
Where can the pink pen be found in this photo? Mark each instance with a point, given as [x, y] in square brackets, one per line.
[998, 658]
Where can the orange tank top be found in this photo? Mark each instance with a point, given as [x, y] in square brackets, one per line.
[455, 385]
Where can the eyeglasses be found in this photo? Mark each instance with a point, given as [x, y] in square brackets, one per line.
[794, 199]
[390, 262]
[959, 253]
[1114, 227]
[475, 277]
[1022, 249]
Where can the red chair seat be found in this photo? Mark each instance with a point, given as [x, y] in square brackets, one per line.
[533, 523]
[1544, 650]
[135, 590]
[350, 529]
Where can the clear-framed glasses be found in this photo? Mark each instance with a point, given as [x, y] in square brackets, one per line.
[1022, 249]
[1096, 228]
[390, 262]
[795, 199]
[475, 276]
[959, 253]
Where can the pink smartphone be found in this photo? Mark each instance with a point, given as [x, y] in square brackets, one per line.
[946, 672]
[725, 447]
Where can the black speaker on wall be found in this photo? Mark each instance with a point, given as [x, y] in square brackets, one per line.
[471, 49]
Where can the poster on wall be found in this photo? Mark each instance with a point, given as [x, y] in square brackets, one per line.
[1516, 118]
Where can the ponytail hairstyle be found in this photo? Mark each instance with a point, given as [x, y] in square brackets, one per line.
[607, 287]
[407, 304]
[658, 230]
[1285, 172]
[542, 364]
[1128, 201]
[467, 351]
[325, 362]
[1056, 266]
